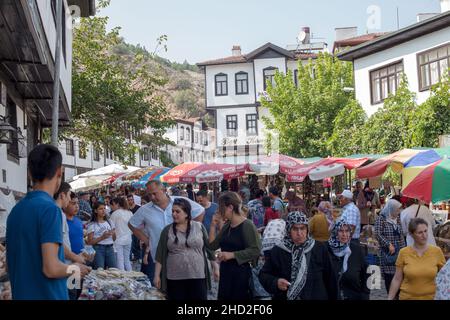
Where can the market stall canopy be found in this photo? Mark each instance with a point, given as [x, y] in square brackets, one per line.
[395, 160]
[323, 172]
[432, 184]
[88, 183]
[173, 175]
[155, 174]
[213, 172]
[329, 165]
[138, 174]
[274, 164]
[419, 162]
[109, 171]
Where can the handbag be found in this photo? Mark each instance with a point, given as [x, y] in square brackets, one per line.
[391, 259]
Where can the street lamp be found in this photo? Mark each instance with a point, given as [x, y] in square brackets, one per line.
[6, 131]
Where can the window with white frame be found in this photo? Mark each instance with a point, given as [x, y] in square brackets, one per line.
[232, 126]
[252, 124]
[241, 83]
[70, 147]
[385, 80]
[221, 81]
[269, 76]
[188, 134]
[182, 133]
[433, 66]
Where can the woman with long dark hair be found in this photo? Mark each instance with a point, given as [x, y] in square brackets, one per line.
[101, 235]
[181, 258]
[240, 246]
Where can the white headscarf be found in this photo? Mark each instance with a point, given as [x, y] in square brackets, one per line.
[389, 209]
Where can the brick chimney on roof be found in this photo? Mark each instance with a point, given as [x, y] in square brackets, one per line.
[236, 51]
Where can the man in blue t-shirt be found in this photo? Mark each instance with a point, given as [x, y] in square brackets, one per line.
[210, 208]
[34, 236]
[75, 225]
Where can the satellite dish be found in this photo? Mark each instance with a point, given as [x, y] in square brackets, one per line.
[301, 36]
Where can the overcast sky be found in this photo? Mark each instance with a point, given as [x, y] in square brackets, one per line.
[200, 30]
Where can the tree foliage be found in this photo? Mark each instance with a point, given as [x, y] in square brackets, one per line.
[113, 100]
[432, 118]
[389, 129]
[347, 132]
[304, 115]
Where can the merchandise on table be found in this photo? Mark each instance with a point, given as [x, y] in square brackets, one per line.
[5, 286]
[443, 238]
[2, 262]
[113, 284]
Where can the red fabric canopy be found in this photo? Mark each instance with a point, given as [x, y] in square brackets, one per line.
[173, 176]
[212, 172]
[299, 174]
[285, 163]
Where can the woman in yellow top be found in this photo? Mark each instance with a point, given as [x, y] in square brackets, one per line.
[319, 224]
[417, 266]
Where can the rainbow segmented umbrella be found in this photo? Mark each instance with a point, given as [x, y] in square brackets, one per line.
[432, 184]
[414, 166]
[150, 176]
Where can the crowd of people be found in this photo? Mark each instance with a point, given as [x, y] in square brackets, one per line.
[185, 242]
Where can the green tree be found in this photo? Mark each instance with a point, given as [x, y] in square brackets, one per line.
[304, 115]
[186, 100]
[389, 129]
[114, 99]
[348, 124]
[432, 118]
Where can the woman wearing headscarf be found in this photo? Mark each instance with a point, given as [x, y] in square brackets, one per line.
[299, 268]
[321, 223]
[389, 233]
[349, 263]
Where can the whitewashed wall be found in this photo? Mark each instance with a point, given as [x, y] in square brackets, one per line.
[45, 11]
[231, 98]
[406, 51]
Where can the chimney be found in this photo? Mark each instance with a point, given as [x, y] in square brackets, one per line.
[346, 33]
[236, 51]
[425, 16]
[445, 6]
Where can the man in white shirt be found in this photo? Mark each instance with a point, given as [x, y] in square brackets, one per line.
[156, 215]
[417, 211]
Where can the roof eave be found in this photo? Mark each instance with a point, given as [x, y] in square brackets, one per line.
[393, 39]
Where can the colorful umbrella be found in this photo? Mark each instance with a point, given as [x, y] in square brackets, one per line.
[173, 175]
[213, 172]
[151, 176]
[432, 184]
[396, 160]
[418, 163]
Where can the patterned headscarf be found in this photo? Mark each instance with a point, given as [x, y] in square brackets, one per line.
[340, 249]
[273, 234]
[299, 271]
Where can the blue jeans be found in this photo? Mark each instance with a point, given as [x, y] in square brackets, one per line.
[149, 269]
[104, 257]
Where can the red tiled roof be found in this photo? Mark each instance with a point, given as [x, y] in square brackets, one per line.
[351, 42]
[227, 60]
[306, 56]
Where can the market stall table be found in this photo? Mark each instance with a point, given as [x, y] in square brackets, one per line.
[113, 284]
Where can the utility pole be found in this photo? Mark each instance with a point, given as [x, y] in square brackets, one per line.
[56, 85]
[398, 20]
